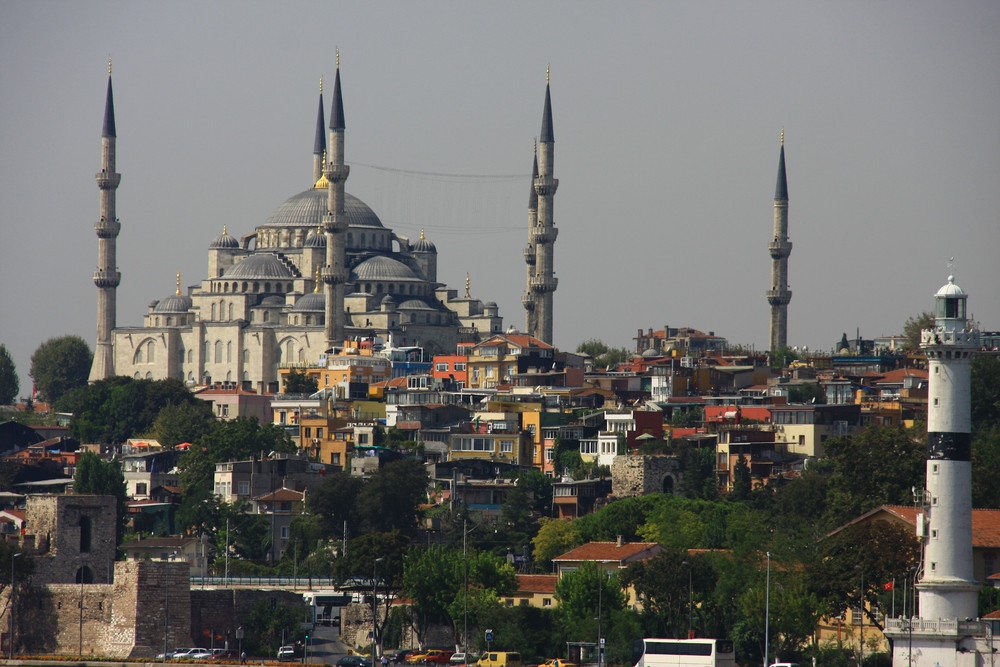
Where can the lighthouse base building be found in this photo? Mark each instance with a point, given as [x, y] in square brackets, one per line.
[946, 633]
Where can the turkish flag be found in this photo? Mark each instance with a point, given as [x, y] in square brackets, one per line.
[889, 586]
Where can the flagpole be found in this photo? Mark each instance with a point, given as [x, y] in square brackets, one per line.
[894, 597]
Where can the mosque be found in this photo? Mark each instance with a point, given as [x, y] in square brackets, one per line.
[319, 271]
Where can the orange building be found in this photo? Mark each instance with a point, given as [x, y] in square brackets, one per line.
[451, 367]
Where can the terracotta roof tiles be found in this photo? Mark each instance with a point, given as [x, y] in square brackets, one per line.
[596, 551]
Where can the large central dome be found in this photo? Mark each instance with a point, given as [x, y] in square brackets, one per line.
[307, 209]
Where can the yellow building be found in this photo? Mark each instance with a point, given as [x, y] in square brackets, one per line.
[534, 590]
[497, 360]
[501, 446]
[354, 363]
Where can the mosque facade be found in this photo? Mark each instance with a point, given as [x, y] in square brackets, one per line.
[266, 300]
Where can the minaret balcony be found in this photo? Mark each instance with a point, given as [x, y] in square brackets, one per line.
[542, 235]
[336, 173]
[108, 180]
[940, 338]
[334, 224]
[779, 297]
[107, 278]
[107, 229]
[332, 276]
[546, 186]
[529, 255]
[543, 284]
[779, 249]
[528, 301]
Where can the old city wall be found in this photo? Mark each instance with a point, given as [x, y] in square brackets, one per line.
[356, 624]
[639, 475]
[221, 612]
[70, 533]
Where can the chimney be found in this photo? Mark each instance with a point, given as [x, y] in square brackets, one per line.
[619, 543]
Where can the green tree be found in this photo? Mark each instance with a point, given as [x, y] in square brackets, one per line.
[876, 466]
[912, 328]
[742, 483]
[96, 476]
[584, 595]
[9, 384]
[593, 347]
[662, 584]
[985, 387]
[59, 365]
[239, 439]
[297, 382]
[985, 463]
[335, 503]
[806, 393]
[555, 537]
[183, 422]
[390, 500]
[783, 356]
[603, 356]
[265, 626]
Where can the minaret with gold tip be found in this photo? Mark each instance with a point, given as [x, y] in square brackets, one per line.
[780, 248]
[334, 273]
[319, 145]
[528, 299]
[107, 277]
[543, 234]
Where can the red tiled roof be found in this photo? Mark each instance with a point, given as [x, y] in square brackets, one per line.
[985, 523]
[993, 614]
[521, 340]
[605, 551]
[20, 514]
[896, 376]
[282, 495]
[536, 583]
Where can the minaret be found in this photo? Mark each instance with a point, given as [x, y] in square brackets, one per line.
[947, 584]
[319, 145]
[544, 233]
[528, 299]
[334, 273]
[780, 248]
[107, 277]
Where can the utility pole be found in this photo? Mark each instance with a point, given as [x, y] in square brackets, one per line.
[12, 607]
[767, 609]
[81, 610]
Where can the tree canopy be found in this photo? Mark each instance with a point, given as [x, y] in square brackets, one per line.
[60, 365]
[9, 382]
[297, 382]
[912, 328]
[103, 478]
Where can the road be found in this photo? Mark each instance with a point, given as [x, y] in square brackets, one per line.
[325, 646]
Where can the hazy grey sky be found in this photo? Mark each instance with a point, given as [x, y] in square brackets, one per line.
[666, 119]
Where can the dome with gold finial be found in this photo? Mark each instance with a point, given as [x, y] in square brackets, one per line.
[225, 241]
[316, 239]
[423, 245]
[176, 302]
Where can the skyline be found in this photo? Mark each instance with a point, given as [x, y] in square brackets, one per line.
[666, 120]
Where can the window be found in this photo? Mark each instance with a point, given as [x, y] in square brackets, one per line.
[546, 602]
[550, 453]
[473, 444]
[229, 352]
[150, 352]
[218, 351]
[319, 431]
[441, 367]
[224, 410]
[140, 489]
[243, 488]
[459, 366]
[284, 532]
[86, 529]
[362, 438]
[308, 432]
[506, 446]
[335, 459]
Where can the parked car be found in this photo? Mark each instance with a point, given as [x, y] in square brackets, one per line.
[500, 659]
[225, 654]
[182, 653]
[438, 657]
[170, 654]
[558, 662]
[286, 653]
[459, 658]
[398, 656]
[354, 661]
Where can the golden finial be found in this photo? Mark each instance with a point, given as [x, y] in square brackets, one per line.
[109, 64]
[316, 288]
[319, 230]
[467, 295]
[782, 136]
[338, 57]
[546, 74]
[178, 283]
[224, 233]
[421, 235]
[321, 84]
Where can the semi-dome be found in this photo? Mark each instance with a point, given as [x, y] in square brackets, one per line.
[307, 209]
[382, 268]
[260, 266]
[414, 304]
[951, 289]
[272, 301]
[224, 241]
[175, 303]
[314, 302]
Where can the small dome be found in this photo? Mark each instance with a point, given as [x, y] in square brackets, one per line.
[175, 303]
[414, 304]
[314, 303]
[382, 268]
[423, 245]
[951, 289]
[272, 301]
[225, 241]
[315, 240]
[261, 266]
[490, 304]
[386, 300]
[650, 353]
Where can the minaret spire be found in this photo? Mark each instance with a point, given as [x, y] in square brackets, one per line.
[780, 248]
[319, 145]
[543, 233]
[334, 274]
[528, 298]
[107, 278]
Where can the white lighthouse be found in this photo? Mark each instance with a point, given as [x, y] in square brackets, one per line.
[945, 634]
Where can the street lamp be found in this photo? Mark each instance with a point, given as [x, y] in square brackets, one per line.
[374, 604]
[861, 661]
[909, 621]
[12, 604]
[600, 590]
[767, 608]
[690, 598]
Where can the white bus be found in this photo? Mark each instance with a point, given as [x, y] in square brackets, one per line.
[683, 653]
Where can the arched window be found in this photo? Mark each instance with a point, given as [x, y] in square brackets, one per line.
[213, 311]
[378, 288]
[222, 310]
[139, 357]
[246, 356]
[229, 352]
[362, 240]
[243, 288]
[246, 376]
[85, 575]
[225, 287]
[230, 311]
[229, 376]
[86, 528]
[267, 287]
[302, 354]
[252, 316]
[668, 484]
[136, 376]
[150, 352]
[368, 288]
[308, 320]
[208, 350]
[218, 351]
[191, 376]
[168, 321]
[156, 321]
[289, 348]
[256, 287]
[266, 316]
[190, 356]
[391, 289]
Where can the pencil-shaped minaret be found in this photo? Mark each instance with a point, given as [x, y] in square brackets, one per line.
[544, 234]
[780, 248]
[107, 277]
[947, 584]
[528, 299]
[334, 273]
[319, 145]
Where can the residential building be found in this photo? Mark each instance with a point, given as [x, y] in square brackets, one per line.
[281, 505]
[452, 367]
[237, 481]
[231, 401]
[144, 472]
[497, 360]
[534, 590]
[804, 428]
[575, 498]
